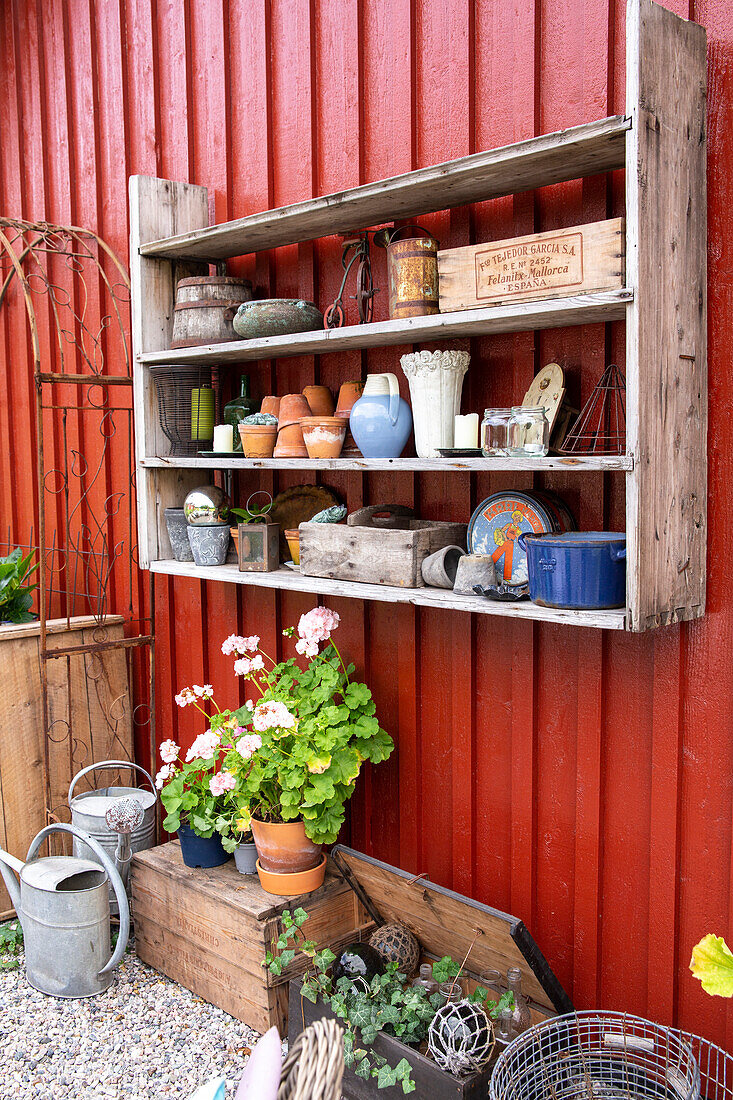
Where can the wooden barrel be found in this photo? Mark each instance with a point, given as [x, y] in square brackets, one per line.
[205, 307]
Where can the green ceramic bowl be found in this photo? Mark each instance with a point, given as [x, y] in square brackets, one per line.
[276, 317]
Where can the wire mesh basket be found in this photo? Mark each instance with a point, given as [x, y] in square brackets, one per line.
[598, 1056]
[186, 407]
[715, 1066]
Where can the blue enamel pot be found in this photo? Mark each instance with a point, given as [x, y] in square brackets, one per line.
[580, 570]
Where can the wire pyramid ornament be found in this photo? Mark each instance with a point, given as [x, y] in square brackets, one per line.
[601, 426]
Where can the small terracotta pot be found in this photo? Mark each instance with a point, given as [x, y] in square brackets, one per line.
[320, 400]
[349, 394]
[270, 405]
[288, 886]
[290, 442]
[258, 440]
[293, 407]
[293, 540]
[324, 435]
[283, 847]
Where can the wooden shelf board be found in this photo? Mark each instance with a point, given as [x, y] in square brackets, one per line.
[552, 158]
[465, 465]
[581, 309]
[440, 599]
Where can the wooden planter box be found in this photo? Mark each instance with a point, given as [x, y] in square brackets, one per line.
[209, 929]
[445, 923]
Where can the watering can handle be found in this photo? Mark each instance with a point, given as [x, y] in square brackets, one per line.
[111, 764]
[114, 878]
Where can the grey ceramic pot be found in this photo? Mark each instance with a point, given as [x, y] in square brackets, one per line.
[474, 569]
[245, 857]
[209, 544]
[439, 569]
[276, 317]
[175, 521]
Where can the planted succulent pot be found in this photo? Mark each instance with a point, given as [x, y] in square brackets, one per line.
[177, 525]
[245, 857]
[293, 540]
[283, 847]
[209, 544]
[288, 885]
[290, 443]
[320, 400]
[201, 851]
[323, 435]
[258, 440]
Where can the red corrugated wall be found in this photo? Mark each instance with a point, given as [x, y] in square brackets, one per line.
[579, 779]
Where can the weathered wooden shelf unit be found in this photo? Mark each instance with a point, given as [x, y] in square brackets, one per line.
[660, 142]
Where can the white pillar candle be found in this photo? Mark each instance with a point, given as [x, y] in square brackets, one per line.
[466, 431]
[223, 438]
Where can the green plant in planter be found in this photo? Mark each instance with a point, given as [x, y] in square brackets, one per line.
[11, 945]
[16, 595]
[388, 1004]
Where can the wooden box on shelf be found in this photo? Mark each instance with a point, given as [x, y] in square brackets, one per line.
[445, 923]
[258, 547]
[209, 931]
[380, 544]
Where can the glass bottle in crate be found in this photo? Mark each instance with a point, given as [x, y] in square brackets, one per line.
[451, 991]
[504, 1032]
[426, 980]
[529, 432]
[495, 432]
[238, 408]
[521, 1018]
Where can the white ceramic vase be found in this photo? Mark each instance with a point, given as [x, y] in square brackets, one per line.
[436, 381]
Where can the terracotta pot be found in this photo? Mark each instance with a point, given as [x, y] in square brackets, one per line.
[283, 847]
[302, 882]
[258, 440]
[290, 442]
[324, 435]
[293, 407]
[349, 394]
[320, 400]
[293, 540]
[270, 405]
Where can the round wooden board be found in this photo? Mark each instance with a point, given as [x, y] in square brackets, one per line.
[547, 390]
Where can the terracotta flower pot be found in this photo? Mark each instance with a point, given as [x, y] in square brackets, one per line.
[301, 882]
[324, 435]
[349, 394]
[270, 405]
[290, 442]
[293, 540]
[293, 407]
[284, 848]
[258, 440]
[320, 400]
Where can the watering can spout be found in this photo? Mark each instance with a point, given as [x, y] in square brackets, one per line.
[8, 865]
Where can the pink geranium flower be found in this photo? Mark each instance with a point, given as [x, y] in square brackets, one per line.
[235, 643]
[245, 666]
[248, 745]
[169, 752]
[224, 781]
[164, 774]
[204, 747]
[272, 715]
[314, 627]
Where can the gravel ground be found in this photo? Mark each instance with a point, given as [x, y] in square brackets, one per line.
[144, 1038]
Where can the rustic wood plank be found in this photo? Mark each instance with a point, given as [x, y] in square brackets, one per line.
[427, 597]
[157, 207]
[555, 264]
[567, 154]
[581, 309]
[365, 465]
[666, 330]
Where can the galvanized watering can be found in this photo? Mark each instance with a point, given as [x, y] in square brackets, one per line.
[89, 813]
[63, 907]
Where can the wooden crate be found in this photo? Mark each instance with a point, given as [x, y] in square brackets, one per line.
[445, 923]
[373, 552]
[209, 929]
[90, 718]
[541, 265]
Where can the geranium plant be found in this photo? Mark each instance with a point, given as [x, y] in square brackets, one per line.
[315, 727]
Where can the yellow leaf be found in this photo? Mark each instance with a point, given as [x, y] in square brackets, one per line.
[318, 764]
[712, 963]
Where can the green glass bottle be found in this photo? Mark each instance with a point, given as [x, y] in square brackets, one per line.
[236, 409]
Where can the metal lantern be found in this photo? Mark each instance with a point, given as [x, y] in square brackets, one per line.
[396, 943]
[206, 505]
[259, 547]
[461, 1038]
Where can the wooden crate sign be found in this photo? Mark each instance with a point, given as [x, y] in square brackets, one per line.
[542, 265]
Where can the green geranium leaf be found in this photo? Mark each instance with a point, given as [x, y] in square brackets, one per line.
[712, 964]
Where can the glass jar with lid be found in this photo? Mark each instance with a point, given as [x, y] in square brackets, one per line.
[495, 432]
[529, 432]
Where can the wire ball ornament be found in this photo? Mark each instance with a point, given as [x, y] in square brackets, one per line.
[596, 1056]
[396, 943]
[461, 1038]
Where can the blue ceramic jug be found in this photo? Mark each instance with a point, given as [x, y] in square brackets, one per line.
[381, 421]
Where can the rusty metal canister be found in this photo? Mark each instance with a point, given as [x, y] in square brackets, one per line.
[412, 270]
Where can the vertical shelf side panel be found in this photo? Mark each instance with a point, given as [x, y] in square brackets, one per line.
[666, 327]
[157, 208]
